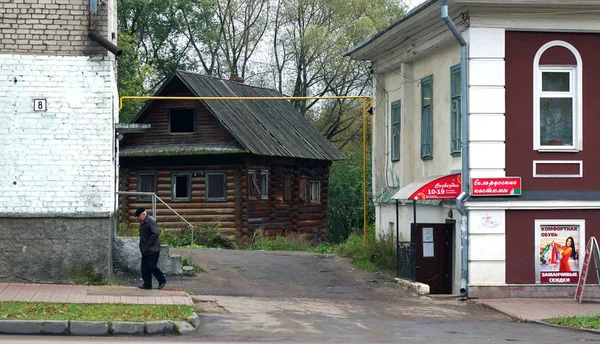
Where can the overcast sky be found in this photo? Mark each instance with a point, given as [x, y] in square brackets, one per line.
[413, 3]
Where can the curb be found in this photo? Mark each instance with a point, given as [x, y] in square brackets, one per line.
[99, 328]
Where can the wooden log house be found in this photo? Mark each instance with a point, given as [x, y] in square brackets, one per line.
[242, 164]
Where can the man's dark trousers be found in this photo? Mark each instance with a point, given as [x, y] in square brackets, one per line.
[149, 268]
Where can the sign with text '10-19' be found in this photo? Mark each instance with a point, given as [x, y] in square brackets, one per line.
[501, 186]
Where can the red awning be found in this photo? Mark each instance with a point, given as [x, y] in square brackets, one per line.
[446, 187]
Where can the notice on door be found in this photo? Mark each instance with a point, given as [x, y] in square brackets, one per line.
[428, 249]
[427, 234]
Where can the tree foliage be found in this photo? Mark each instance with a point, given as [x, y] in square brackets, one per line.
[294, 46]
[345, 212]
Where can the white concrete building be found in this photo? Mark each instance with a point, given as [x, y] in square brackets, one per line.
[58, 152]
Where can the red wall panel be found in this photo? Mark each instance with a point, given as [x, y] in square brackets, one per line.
[521, 48]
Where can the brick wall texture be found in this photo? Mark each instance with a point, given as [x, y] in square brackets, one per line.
[54, 27]
[60, 160]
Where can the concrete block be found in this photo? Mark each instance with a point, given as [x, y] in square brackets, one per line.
[417, 287]
[184, 327]
[88, 328]
[196, 319]
[160, 327]
[34, 326]
[128, 328]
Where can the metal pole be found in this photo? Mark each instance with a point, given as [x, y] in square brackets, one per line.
[154, 207]
[415, 211]
[365, 170]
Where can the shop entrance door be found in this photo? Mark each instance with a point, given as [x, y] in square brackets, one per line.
[434, 244]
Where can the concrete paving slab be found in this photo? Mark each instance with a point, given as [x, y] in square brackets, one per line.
[34, 326]
[132, 291]
[88, 328]
[128, 328]
[537, 309]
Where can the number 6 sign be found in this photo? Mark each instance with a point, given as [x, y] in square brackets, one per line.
[39, 105]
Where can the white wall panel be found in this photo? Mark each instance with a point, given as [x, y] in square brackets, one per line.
[486, 100]
[486, 72]
[487, 247]
[487, 155]
[487, 273]
[486, 43]
[487, 221]
[487, 127]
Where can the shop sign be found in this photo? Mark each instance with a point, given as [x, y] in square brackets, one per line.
[444, 188]
[558, 253]
[503, 186]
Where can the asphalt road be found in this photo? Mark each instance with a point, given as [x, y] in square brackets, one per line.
[257, 296]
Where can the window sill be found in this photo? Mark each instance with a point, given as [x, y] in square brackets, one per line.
[557, 150]
[455, 154]
[429, 157]
[181, 200]
[215, 200]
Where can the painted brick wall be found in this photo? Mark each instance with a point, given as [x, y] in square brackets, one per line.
[53, 27]
[61, 160]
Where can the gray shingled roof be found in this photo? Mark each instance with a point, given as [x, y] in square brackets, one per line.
[262, 127]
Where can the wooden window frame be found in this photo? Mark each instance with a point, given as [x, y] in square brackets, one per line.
[174, 176]
[142, 198]
[193, 120]
[455, 112]
[395, 114]
[426, 120]
[316, 199]
[287, 187]
[264, 184]
[207, 184]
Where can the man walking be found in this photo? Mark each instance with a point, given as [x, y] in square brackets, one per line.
[150, 249]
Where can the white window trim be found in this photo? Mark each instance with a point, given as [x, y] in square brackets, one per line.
[576, 88]
[582, 240]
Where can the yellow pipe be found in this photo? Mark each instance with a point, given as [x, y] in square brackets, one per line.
[365, 170]
[235, 98]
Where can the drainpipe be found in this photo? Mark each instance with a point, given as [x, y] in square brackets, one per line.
[95, 36]
[464, 239]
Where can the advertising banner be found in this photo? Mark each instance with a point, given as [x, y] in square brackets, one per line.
[559, 253]
[503, 186]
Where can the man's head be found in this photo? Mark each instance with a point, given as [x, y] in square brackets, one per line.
[140, 213]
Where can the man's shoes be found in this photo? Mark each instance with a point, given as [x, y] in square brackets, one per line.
[162, 285]
[144, 287]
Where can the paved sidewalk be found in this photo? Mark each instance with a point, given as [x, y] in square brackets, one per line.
[91, 294]
[537, 309]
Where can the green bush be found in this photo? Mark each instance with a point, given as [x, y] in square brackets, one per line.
[290, 242]
[345, 212]
[374, 255]
[205, 236]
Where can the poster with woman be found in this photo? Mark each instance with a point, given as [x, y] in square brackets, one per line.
[558, 253]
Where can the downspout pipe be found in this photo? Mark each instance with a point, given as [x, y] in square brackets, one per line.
[95, 36]
[464, 125]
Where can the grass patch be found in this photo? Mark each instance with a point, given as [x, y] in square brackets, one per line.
[93, 312]
[374, 255]
[290, 242]
[590, 322]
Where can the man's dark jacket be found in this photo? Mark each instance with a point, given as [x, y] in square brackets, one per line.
[149, 236]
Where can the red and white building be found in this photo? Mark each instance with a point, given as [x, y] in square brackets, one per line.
[532, 114]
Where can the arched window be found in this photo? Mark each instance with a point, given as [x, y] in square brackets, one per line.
[557, 104]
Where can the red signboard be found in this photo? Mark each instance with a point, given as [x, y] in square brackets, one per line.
[503, 186]
[444, 188]
[559, 277]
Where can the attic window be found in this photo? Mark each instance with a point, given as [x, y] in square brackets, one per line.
[181, 121]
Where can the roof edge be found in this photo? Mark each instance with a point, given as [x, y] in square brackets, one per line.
[407, 16]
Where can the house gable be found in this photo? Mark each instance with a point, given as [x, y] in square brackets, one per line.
[166, 119]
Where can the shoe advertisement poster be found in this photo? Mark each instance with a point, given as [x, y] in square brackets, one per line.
[558, 255]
